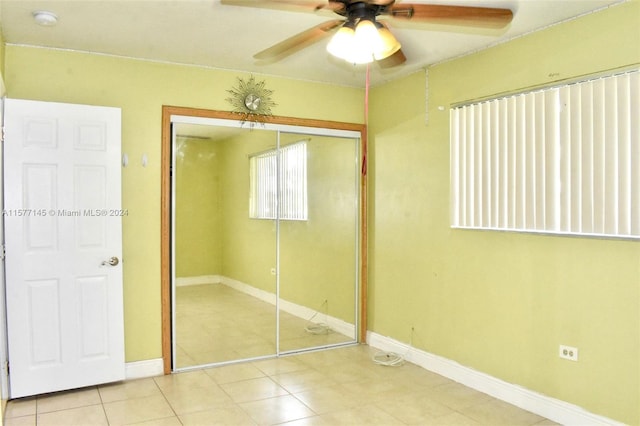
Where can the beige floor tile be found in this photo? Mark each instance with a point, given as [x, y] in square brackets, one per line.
[167, 421]
[20, 407]
[367, 415]
[497, 412]
[21, 421]
[185, 401]
[83, 416]
[137, 410]
[215, 323]
[181, 359]
[346, 372]
[409, 374]
[253, 389]
[547, 422]
[375, 389]
[272, 411]
[329, 388]
[328, 399]
[328, 358]
[210, 357]
[303, 340]
[68, 399]
[234, 373]
[233, 415]
[187, 381]
[414, 409]
[456, 396]
[298, 381]
[128, 389]
[309, 421]
[358, 353]
[279, 365]
[453, 419]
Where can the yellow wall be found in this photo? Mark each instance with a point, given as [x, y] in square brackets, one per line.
[502, 302]
[318, 256]
[140, 88]
[215, 235]
[249, 245]
[198, 223]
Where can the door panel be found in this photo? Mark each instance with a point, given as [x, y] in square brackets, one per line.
[318, 266]
[90, 185]
[93, 317]
[224, 261]
[40, 191]
[62, 223]
[43, 325]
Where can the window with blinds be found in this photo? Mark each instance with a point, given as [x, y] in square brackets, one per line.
[560, 160]
[289, 181]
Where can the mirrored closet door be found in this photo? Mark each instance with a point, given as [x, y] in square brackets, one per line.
[224, 264]
[265, 240]
[318, 252]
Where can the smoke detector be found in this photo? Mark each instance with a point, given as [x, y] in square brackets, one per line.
[46, 19]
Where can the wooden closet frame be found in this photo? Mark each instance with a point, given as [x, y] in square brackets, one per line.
[165, 200]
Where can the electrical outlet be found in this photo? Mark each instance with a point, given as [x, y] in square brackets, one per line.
[568, 352]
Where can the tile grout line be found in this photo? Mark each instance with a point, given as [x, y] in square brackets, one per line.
[167, 401]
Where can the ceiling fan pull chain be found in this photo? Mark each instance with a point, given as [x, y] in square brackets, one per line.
[366, 122]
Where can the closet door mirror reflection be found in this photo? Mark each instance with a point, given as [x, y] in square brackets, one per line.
[265, 240]
[318, 254]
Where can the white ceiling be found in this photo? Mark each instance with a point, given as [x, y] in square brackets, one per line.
[204, 32]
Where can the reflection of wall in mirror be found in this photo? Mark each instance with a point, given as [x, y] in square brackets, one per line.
[317, 264]
[197, 216]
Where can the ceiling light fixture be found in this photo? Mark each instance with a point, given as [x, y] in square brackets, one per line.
[361, 39]
[44, 18]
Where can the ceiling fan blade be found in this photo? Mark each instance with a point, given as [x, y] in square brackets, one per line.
[298, 41]
[290, 5]
[393, 60]
[487, 17]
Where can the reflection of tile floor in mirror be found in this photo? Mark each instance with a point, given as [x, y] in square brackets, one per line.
[333, 387]
[217, 323]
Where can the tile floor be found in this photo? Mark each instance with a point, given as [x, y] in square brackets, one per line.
[333, 387]
[216, 323]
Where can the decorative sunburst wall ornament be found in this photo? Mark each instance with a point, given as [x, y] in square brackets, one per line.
[252, 101]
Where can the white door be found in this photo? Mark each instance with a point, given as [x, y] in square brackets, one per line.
[63, 237]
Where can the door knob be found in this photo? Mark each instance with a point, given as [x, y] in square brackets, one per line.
[111, 262]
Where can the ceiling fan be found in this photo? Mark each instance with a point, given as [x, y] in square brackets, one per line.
[361, 37]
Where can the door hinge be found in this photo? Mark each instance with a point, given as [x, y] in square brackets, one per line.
[7, 366]
[2, 135]
[3, 252]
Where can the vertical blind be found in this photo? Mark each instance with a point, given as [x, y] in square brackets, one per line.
[559, 160]
[286, 178]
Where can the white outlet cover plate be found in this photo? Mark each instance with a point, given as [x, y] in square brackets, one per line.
[568, 352]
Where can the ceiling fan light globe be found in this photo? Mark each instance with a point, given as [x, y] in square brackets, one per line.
[366, 35]
[342, 43]
[365, 42]
[389, 45]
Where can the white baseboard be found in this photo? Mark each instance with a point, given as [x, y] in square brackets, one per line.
[550, 408]
[336, 324]
[263, 295]
[300, 311]
[202, 279]
[142, 369]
